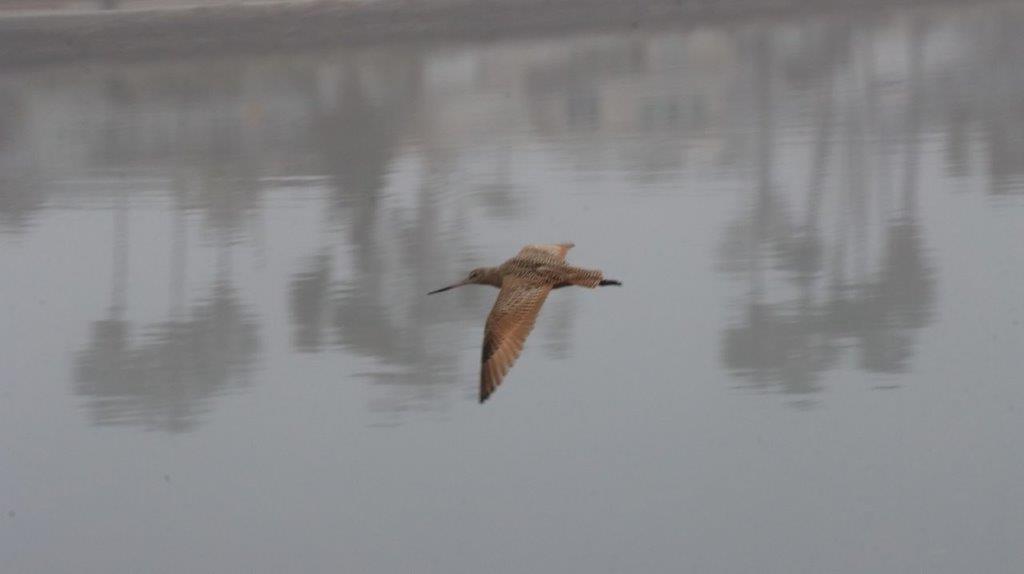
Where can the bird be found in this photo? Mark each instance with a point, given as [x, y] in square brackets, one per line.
[524, 282]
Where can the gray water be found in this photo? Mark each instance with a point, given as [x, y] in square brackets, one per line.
[217, 354]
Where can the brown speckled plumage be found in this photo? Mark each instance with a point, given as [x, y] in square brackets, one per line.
[525, 281]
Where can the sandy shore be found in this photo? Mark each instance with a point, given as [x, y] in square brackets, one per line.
[148, 33]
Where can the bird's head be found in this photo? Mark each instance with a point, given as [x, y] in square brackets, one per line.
[478, 276]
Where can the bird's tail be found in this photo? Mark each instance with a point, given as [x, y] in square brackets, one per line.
[589, 278]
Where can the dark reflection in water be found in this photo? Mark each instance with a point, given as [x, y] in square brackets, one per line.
[21, 191]
[836, 292]
[419, 149]
[363, 107]
[163, 378]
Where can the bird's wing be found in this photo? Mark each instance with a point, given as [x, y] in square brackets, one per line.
[557, 250]
[511, 320]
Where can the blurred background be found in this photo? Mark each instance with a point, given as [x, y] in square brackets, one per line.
[218, 224]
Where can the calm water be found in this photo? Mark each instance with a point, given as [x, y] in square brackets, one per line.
[217, 356]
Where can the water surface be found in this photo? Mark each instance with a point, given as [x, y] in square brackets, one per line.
[217, 354]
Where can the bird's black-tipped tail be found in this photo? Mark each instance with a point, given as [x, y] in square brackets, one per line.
[607, 282]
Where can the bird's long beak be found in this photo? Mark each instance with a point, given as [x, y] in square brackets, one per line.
[459, 284]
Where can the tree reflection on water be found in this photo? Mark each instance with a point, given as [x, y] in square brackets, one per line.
[832, 301]
[827, 118]
[164, 378]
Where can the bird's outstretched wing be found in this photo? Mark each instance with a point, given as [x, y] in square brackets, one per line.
[557, 250]
[511, 320]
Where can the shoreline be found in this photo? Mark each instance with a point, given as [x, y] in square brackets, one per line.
[153, 33]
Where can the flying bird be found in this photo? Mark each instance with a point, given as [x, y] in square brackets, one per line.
[524, 282]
